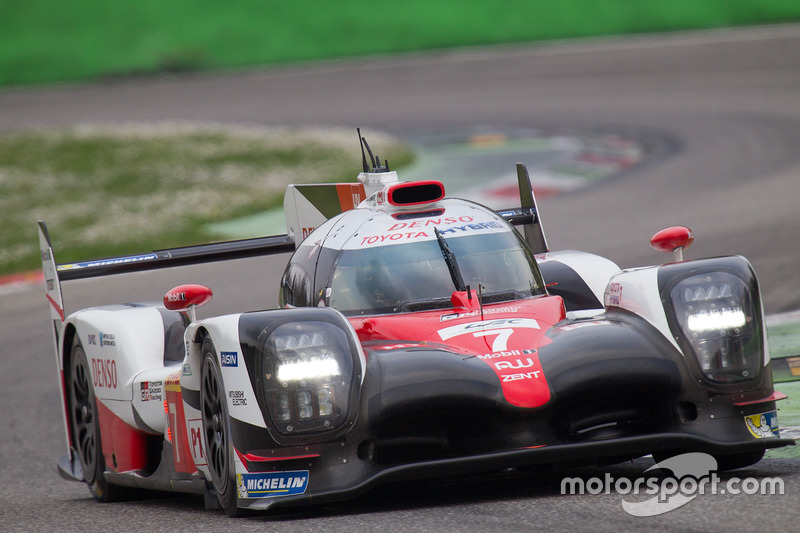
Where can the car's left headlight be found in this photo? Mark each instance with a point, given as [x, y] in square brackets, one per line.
[717, 314]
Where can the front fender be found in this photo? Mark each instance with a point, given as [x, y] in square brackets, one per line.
[710, 311]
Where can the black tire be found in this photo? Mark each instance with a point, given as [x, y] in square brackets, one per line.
[86, 427]
[216, 429]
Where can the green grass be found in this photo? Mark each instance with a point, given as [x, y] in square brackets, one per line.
[108, 191]
[784, 338]
[50, 40]
[788, 417]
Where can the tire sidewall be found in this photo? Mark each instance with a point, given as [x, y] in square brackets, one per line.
[93, 474]
[224, 484]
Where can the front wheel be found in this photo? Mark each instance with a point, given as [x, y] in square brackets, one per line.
[216, 429]
[86, 426]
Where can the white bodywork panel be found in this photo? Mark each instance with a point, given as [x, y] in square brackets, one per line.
[149, 394]
[224, 333]
[636, 290]
[124, 348]
[595, 270]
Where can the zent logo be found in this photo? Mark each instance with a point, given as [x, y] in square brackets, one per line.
[522, 375]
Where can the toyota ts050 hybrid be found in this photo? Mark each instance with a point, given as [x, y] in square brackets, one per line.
[416, 336]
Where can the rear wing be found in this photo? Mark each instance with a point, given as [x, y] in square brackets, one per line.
[527, 215]
[55, 274]
[172, 257]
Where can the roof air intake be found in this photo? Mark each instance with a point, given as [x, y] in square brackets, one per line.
[414, 193]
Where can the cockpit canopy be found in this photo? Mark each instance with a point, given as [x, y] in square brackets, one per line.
[370, 261]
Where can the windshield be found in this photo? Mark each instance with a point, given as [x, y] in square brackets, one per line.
[415, 276]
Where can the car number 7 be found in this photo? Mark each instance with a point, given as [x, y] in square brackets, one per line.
[500, 343]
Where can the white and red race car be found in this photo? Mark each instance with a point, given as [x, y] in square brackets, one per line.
[416, 336]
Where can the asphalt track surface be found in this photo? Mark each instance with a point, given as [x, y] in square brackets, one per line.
[731, 99]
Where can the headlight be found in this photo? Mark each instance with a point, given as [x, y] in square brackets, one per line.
[308, 376]
[717, 317]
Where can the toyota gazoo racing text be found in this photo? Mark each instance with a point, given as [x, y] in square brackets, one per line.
[416, 336]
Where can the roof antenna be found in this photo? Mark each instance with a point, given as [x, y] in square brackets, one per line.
[371, 157]
[361, 141]
[374, 159]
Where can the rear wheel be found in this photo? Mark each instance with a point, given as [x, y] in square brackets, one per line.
[86, 426]
[216, 429]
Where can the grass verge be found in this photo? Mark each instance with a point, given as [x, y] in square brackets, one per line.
[49, 40]
[126, 189]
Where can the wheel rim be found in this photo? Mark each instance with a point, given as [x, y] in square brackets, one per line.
[82, 406]
[214, 425]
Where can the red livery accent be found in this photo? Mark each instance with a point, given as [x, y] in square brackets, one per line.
[56, 307]
[183, 454]
[104, 373]
[506, 336]
[774, 397]
[465, 300]
[672, 238]
[350, 195]
[124, 446]
[258, 459]
[252, 458]
[431, 222]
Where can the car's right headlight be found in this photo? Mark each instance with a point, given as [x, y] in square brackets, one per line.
[718, 316]
[308, 376]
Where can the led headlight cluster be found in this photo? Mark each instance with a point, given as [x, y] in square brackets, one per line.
[308, 372]
[717, 317]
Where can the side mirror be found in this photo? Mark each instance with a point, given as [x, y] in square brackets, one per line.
[187, 298]
[673, 239]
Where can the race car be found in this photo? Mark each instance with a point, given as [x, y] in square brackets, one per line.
[416, 336]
